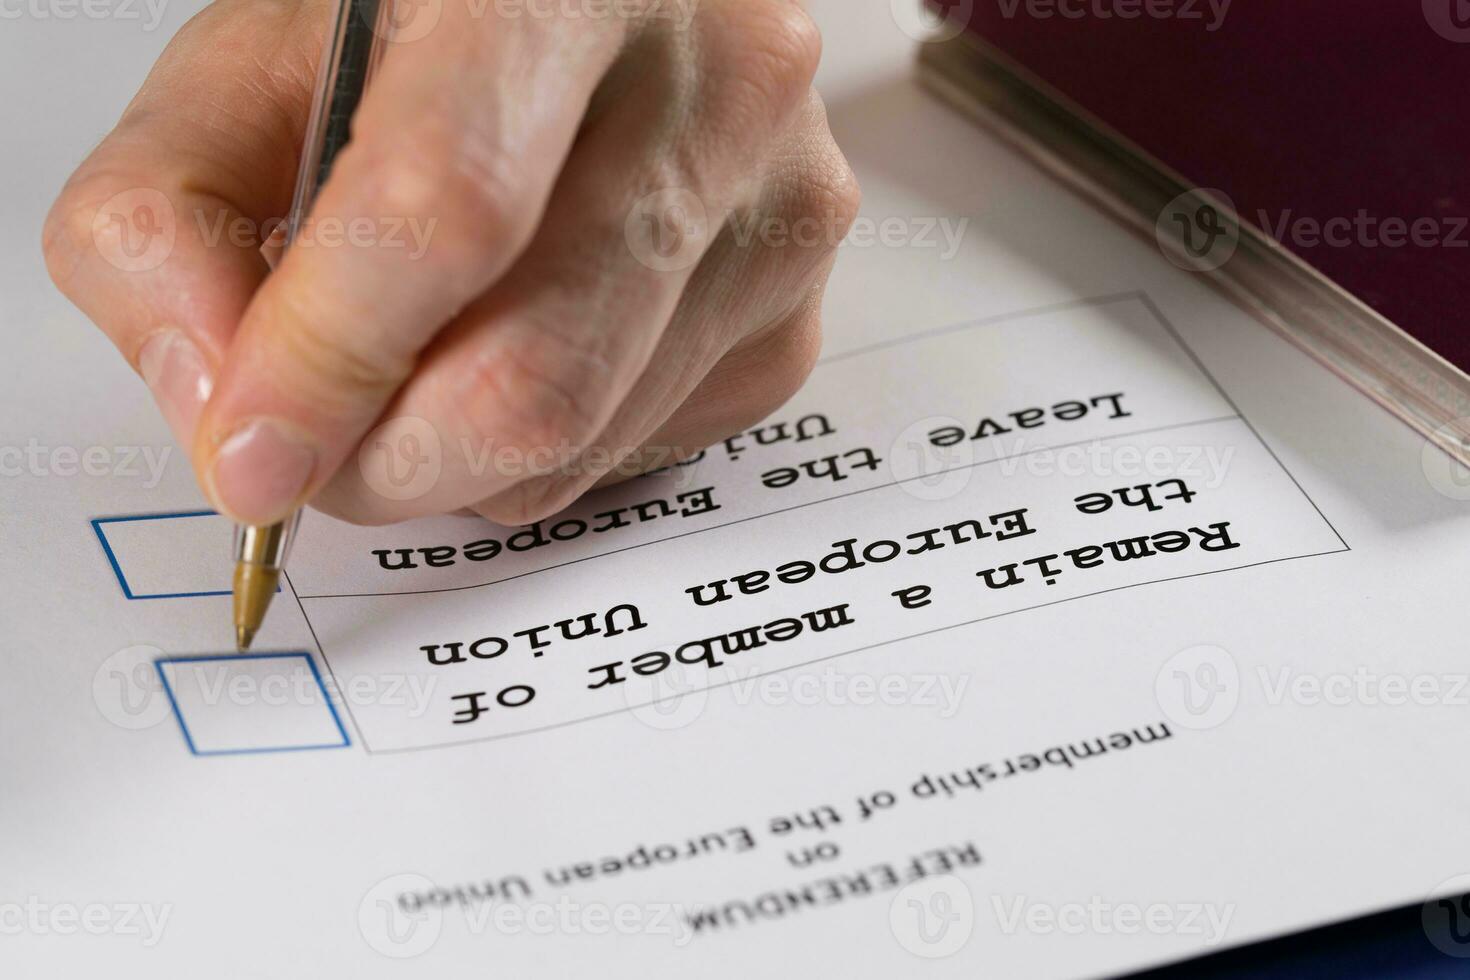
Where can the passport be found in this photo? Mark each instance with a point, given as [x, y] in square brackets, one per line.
[1332, 128]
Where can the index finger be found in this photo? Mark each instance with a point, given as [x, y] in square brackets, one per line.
[455, 151]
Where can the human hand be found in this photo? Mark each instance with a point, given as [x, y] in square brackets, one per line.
[575, 246]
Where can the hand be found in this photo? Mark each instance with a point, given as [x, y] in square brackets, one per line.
[577, 239]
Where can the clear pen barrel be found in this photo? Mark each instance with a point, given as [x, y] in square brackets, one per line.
[267, 545]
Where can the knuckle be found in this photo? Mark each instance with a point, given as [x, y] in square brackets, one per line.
[342, 370]
[788, 43]
[772, 48]
[477, 198]
[826, 188]
[67, 234]
[404, 181]
[62, 240]
[542, 398]
[530, 501]
[782, 361]
[797, 347]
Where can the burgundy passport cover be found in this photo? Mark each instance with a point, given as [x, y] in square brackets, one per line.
[1297, 109]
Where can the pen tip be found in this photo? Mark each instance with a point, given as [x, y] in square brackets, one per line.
[243, 636]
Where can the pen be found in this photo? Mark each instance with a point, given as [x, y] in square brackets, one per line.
[352, 52]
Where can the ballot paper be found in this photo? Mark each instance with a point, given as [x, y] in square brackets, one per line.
[1066, 623]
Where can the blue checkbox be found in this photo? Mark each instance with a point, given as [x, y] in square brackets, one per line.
[182, 555]
[236, 704]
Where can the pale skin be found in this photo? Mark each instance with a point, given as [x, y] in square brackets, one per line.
[533, 314]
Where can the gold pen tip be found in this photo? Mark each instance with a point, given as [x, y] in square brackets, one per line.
[255, 585]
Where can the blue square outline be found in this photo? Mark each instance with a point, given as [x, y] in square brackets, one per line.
[122, 579]
[204, 658]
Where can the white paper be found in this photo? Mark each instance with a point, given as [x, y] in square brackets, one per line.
[1233, 711]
